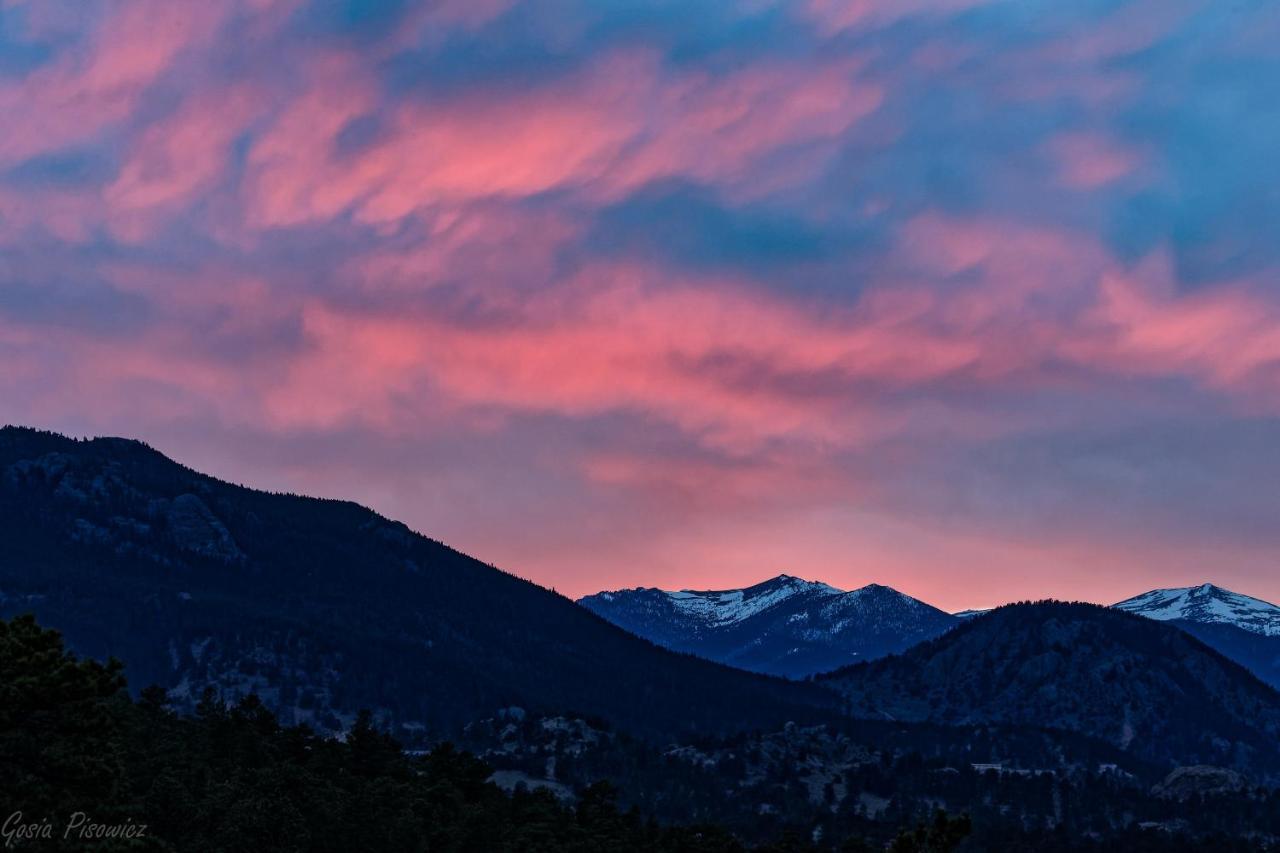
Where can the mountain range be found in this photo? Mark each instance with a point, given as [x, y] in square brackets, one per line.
[797, 628]
[323, 607]
[783, 626]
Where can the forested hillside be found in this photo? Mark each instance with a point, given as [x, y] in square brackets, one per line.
[1144, 686]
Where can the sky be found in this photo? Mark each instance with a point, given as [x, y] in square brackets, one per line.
[975, 298]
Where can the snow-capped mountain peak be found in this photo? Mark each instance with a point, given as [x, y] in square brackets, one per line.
[785, 625]
[729, 606]
[1207, 603]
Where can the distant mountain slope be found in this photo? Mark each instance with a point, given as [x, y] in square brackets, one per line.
[784, 626]
[1144, 686]
[1207, 604]
[1257, 653]
[323, 607]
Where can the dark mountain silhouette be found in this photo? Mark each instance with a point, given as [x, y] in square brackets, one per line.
[1145, 686]
[783, 626]
[323, 607]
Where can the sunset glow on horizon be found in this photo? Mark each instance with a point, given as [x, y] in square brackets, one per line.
[978, 299]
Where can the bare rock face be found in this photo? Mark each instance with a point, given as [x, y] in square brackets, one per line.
[1187, 782]
[195, 528]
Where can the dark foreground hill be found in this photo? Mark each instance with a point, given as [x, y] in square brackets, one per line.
[83, 765]
[1144, 686]
[323, 607]
[86, 768]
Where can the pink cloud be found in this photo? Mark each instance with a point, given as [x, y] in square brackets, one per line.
[619, 338]
[490, 246]
[1079, 64]
[431, 22]
[733, 367]
[82, 93]
[835, 16]
[729, 365]
[179, 158]
[69, 215]
[1130, 28]
[1226, 337]
[620, 124]
[1087, 161]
